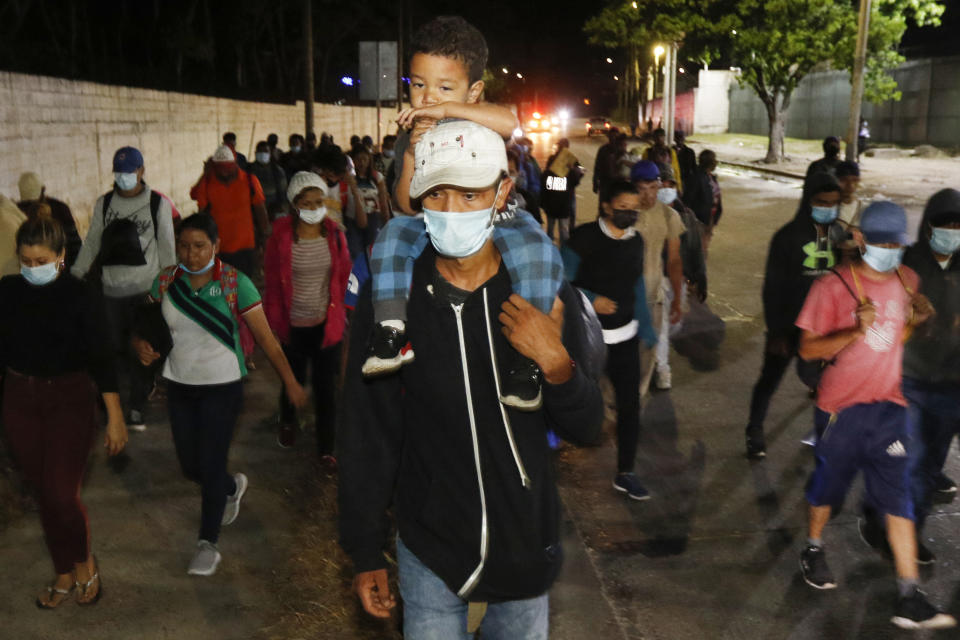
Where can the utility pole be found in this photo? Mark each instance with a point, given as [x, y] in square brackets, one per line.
[856, 90]
[400, 4]
[308, 47]
[670, 91]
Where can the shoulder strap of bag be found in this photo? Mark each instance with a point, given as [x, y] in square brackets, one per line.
[228, 284]
[858, 298]
[166, 278]
[107, 197]
[155, 199]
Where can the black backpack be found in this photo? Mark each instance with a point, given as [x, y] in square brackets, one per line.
[120, 240]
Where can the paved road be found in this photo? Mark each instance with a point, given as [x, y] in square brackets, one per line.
[713, 555]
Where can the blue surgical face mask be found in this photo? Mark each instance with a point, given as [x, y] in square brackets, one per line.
[667, 195]
[823, 215]
[263, 157]
[458, 234]
[388, 153]
[126, 181]
[199, 271]
[41, 275]
[945, 241]
[882, 259]
[295, 149]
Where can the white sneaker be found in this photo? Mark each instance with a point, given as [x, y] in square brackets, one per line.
[232, 509]
[205, 560]
[664, 379]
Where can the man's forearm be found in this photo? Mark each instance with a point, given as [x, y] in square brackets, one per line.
[814, 347]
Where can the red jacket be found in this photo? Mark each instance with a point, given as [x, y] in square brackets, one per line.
[278, 273]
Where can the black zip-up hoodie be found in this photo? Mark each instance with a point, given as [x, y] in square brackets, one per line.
[932, 354]
[800, 252]
[406, 440]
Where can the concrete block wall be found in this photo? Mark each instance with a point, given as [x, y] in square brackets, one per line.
[67, 131]
[711, 101]
[927, 113]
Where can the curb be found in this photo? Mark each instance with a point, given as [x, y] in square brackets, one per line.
[759, 169]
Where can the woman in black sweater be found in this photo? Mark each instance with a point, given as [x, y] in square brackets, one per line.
[54, 357]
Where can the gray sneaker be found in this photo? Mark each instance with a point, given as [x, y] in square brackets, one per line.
[205, 560]
[232, 509]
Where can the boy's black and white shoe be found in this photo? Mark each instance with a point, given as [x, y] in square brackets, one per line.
[916, 612]
[135, 421]
[629, 484]
[943, 484]
[816, 572]
[388, 349]
[521, 387]
[756, 444]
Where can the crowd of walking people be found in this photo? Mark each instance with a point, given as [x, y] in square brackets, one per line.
[448, 339]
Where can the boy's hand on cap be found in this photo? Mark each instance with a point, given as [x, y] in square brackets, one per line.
[433, 112]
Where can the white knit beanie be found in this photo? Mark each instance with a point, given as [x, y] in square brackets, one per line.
[305, 180]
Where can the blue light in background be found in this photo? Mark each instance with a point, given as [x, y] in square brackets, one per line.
[347, 80]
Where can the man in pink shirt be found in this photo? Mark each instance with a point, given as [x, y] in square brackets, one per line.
[855, 319]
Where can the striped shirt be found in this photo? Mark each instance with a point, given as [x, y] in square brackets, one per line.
[311, 282]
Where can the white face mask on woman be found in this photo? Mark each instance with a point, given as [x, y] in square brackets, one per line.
[313, 216]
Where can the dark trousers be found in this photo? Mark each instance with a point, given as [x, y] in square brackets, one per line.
[303, 350]
[623, 369]
[50, 425]
[202, 418]
[121, 315]
[934, 415]
[777, 355]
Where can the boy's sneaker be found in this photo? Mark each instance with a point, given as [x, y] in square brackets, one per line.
[629, 484]
[916, 612]
[232, 508]
[135, 421]
[388, 350]
[205, 560]
[813, 566]
[664, 379]
[521, 387]
[943, 484]
[756, 445]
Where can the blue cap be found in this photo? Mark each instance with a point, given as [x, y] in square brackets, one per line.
[644, 170]
[884, 222]
[127, 160]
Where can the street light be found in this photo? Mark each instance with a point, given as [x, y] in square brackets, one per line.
[616, 77]
[609, 61]
[634, 4]
[505, 71]
[520, 76]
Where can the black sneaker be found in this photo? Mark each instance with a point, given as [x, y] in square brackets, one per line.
[521, 387]
[387, 352]
[915, 612]
[943, 484]
[629, 484]
[813, 566]
[756, 445]
[924, 555]
[874, 536]
[135, 421]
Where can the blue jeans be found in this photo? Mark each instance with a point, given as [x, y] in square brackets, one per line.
[432, 612]
[934, 420]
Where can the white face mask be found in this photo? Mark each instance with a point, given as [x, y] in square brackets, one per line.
[882, 259]
[313, 216]
[263, 157]
[459, 234]
[667, 195]
[126, 181]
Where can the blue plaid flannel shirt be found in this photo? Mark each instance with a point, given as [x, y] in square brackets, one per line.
[532, 260]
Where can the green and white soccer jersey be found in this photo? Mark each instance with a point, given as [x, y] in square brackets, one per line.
[206, 337]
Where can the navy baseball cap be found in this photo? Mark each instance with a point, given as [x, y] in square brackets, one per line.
[127, 160]
[883, 222]
[644, 170]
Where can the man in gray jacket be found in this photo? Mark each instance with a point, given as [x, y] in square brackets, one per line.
[131, 239]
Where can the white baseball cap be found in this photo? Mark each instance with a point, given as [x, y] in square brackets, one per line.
[458, 153]
[305, 180]
[224, 154]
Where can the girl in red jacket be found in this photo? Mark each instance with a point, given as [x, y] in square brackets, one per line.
[306, 267]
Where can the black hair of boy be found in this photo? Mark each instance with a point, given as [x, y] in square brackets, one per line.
[453, 37]
[616, 189]
[201, 222]
[331, 158]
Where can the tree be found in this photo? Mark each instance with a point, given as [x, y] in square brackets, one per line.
[634, 28]
[778, 42]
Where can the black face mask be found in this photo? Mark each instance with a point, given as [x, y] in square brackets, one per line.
[624, 218]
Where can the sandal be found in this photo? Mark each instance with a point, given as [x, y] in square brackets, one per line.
[52, 589]
[83, 588]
